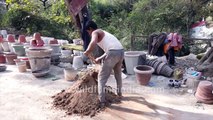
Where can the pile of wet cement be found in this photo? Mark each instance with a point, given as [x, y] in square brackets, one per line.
[82, 97]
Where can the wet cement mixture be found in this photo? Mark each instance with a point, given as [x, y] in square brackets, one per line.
[82, 97]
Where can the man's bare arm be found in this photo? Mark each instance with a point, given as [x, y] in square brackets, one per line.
[93, 42]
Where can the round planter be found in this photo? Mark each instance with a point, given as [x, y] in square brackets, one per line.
[10, 38]
[143, 74]
[4, 33]
[11, 46]
[39, 60]
[19, 49]
[37, 36]
[70, 74]
[21, 65]
[22, 39]
[1, 38]
[66, 53]
[204, 92]
[77, 41]
[77, 62]
[40, 43]
[10, 57]
[5, 46]
[27, 62]
[76, 52]
[55, 48]
[2, 58]
[54, 41]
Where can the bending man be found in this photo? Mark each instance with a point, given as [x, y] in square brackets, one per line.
[112, 58]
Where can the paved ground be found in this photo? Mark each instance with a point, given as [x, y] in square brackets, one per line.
[24, 97]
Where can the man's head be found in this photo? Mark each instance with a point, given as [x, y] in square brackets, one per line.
[91, 26]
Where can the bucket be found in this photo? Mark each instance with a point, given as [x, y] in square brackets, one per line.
[131, 60]
[39, 59]
[143, 74]
[19, 49]
[21, 65]
[70, 74]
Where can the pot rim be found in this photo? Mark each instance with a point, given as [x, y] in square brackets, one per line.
[144, 72]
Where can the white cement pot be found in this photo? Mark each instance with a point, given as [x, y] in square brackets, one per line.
[5, 46]
[66, 52]
[77, 62]
[70, 74]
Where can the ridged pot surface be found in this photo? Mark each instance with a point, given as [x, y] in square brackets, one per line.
[143, 74]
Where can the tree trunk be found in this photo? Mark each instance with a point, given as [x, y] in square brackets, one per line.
[205, 65]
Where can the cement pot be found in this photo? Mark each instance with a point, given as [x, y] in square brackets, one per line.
[27, 62]
[55, 48]
[10, 57]
[2, 58]
[55, 58]
[77, 62]
[54, 41]
[22, 39]
[39, 60]
[143, 74]
[10, 38]
[21, 65]
[19, 49]
[5, 46]
[70, 74]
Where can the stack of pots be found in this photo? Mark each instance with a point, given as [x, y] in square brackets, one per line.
[204, 92]
[39, 59]
[160, 68]
[56, 51]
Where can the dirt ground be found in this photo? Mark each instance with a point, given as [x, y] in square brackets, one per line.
[24, 97]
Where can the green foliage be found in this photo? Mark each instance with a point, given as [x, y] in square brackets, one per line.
[29, 16]
[122, 18]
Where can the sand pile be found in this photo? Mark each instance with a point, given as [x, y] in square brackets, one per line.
[82, 97]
